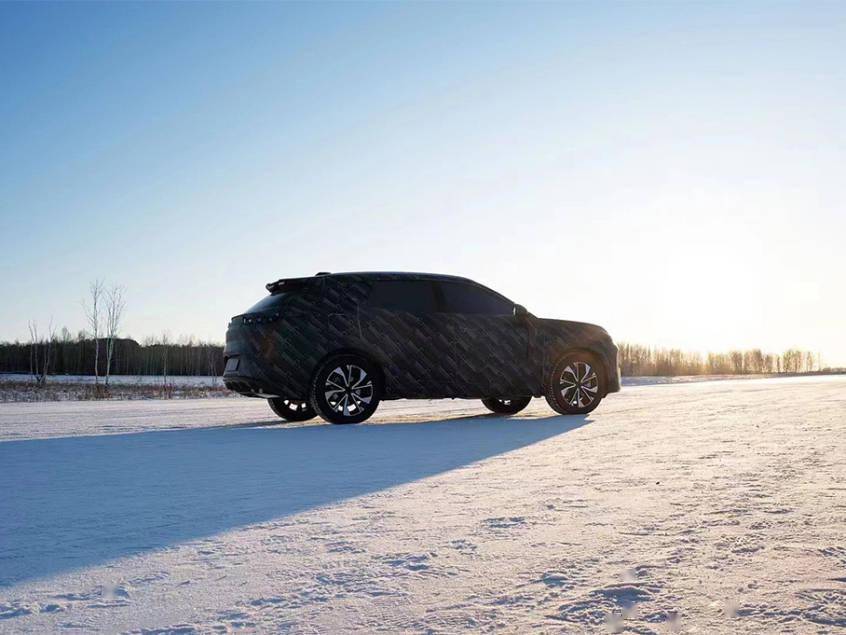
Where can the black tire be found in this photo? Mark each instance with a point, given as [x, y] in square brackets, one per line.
[340, 393]
[291, 409]
[506, 406]
[576, 384]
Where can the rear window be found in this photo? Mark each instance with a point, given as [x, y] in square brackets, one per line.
[270, 302]
[412, 296]
[469, 299]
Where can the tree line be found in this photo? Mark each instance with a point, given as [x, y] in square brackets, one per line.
[66, 354]
[99, 351]
[639, 360]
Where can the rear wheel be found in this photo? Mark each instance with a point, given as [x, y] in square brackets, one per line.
[291, 409]
[346, 389]
[576, 384]
[506, 406]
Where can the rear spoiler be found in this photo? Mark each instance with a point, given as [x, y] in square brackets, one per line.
[288, 284]
[292, 283]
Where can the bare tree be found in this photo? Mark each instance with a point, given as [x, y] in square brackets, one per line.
[736, 362]
[92, 314]
[212, 359]
[48, 353]
[40, 352]
[165, 342]
[809, 362]
[33, 349]
[791, 361]
[115, 305]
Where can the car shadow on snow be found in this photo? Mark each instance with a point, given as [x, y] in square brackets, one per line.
[74, 502]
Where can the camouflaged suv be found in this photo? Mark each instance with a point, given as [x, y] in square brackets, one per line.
[337, 344]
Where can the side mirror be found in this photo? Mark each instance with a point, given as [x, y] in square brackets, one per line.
[520, 312]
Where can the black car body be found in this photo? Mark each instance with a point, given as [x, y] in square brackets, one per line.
[422, 336]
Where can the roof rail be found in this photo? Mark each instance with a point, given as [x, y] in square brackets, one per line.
[323, 273]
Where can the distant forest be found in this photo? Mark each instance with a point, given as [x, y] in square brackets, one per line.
[99, 351]
[638, 360]
[68, 355]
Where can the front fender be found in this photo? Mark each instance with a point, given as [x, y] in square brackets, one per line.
[605, 354]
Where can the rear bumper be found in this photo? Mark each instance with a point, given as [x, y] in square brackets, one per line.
[245, 382]
[243, 373]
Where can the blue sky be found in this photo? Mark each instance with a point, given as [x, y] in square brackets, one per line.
[673, 171]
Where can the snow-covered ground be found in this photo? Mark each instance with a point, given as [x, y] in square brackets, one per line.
[123, 380]
[17, 388]
[702, 507]
[204, 380]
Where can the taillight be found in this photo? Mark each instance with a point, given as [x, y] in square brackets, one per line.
[260, 319]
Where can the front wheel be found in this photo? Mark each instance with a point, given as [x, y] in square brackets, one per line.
[506, 406]
[346, 389]
[291, 409]
[575, 385]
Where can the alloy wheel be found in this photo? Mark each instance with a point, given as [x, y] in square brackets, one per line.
[506, 405]
[579, 384]
[348, 390]
[291, 409]
[296, 407]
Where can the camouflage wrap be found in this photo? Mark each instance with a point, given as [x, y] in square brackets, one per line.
[430, 355]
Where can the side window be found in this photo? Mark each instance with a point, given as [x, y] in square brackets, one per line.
[412, 296]
[466, 298]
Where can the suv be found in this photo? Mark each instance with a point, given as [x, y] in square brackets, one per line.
[337, 344]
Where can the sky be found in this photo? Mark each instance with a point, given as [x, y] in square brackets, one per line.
[672, 171]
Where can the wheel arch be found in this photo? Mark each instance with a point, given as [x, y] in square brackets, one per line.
[350, 350]
[557, 353]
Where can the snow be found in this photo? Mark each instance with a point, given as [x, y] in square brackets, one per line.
[123, 380]
[20, 388]
[707, 507]
[189, 381]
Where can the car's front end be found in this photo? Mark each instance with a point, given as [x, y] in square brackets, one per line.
[613, 362]
[562, 336]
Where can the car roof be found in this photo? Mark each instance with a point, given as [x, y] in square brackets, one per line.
[363, 276]
[396, 275]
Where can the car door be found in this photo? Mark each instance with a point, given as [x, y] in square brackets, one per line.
[492, 346]
[401, 327]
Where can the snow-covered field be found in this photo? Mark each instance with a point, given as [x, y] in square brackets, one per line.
[205, 380]
[702, 507]
[16, 387]
[123, 380]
